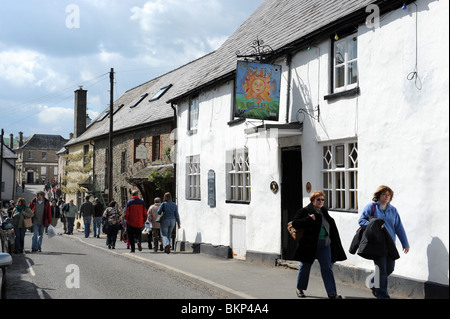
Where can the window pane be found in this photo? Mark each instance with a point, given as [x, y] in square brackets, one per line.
[339, 156]
[352, 75]
[352, 48]
[339, 76]
[339, 52]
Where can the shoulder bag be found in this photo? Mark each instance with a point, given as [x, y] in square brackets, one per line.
[27, 222]
[160, 217]
[296, 234]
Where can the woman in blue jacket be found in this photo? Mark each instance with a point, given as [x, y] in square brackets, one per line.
[171, 216]
[384, 210]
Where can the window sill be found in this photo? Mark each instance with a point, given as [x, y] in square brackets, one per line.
[338, 210]
[236, 202]
[338, 95]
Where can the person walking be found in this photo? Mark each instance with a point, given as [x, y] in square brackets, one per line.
[98, 215]
[61, 206]
[156, 233]
[70, 213]
[55, 212]
[136, 215]
[20, 212]
[171, 216]
[392, 223]
[40, 206]
[87, 211]
[112, 218]
[320, 241]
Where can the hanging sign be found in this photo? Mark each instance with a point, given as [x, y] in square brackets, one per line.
[257, 90]
[141, 152]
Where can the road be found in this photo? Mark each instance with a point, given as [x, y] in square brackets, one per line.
[68, 268]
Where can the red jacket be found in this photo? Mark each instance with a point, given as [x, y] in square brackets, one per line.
[47, 211]
[136, 212]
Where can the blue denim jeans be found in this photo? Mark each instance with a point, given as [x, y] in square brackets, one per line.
[166, 229]
[70, 223]
[385, 267]
[323, 255]
[87, 225]
[96, 226]
[20, 238]
[38, 233]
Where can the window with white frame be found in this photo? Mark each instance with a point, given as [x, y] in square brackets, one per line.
[193, 113]
[193, 177]
[340, 175]
[238, 176]
[345, 63]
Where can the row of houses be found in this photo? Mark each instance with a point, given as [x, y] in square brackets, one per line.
[341, 96]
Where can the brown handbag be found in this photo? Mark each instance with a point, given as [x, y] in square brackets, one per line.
[296, 234]
[27, 222]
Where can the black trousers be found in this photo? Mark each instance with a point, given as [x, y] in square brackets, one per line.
[134, 234]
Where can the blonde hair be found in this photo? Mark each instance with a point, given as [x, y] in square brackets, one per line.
[315, 194]
[380, 190]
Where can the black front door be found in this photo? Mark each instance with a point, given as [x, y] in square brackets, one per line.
[291, 195]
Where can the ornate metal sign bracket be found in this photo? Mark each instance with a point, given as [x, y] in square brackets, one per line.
[301, 114]
[258, 51]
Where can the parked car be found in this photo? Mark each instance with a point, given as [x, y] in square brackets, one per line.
[5, 261]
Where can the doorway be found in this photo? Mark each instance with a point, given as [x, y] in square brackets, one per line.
[238, 234]
[291, 195]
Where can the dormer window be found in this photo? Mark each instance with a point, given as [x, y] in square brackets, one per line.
[160, 93]
[138, 100]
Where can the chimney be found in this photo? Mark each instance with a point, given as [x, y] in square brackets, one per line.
[11, 141]
[20, 139]
[80, 112]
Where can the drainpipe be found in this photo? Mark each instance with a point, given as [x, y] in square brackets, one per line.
[288, 60]
[174, 146]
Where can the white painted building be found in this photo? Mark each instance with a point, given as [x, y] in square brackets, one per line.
[384, 121]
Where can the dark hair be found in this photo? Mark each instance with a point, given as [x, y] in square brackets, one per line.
[112, 203]
[167, 196]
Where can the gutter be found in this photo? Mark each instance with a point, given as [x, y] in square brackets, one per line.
[175, 132]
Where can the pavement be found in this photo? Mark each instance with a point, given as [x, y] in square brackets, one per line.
[236, 279]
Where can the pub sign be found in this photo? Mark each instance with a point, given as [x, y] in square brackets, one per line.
[257, 90]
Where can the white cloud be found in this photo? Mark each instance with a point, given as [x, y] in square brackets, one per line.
[54, 115]
[18, 67]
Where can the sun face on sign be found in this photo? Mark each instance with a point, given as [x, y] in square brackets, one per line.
[257, 87]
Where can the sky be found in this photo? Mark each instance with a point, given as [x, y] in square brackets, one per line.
[49, 48]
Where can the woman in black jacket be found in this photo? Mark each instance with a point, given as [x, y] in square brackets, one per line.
[320, 240]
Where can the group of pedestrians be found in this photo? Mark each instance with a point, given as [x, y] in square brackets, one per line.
[380, 224]
[132, 220]
[37, 215]
[137, 214]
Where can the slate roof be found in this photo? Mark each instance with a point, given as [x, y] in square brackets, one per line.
[282, 24]
[8, 153]
[279, 23]
[44, 142]
[145, 112]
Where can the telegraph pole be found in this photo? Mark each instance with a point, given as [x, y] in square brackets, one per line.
[110, 154]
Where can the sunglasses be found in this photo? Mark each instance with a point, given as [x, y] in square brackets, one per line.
[320, 199]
